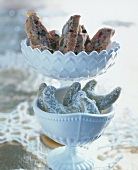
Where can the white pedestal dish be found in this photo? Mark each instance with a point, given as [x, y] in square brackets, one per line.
[72, 130]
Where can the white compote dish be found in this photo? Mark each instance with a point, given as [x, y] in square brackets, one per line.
[70, 66]
[72, 130]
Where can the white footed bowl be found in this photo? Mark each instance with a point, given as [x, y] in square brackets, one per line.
[72, 130]
[70, 66]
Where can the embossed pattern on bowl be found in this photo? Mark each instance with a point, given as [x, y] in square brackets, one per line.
[70, 66]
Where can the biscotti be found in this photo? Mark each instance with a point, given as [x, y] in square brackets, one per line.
[72, 25]
[74, 36]
[100, 40]
[80, 45]
[41, 47]
[68, 42]
[69, 35]
[56, 37]
[36, 31]
[82, 38]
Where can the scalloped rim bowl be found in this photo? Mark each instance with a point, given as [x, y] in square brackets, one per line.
[70, 66]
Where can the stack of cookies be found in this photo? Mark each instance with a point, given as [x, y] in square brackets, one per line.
[74, 36]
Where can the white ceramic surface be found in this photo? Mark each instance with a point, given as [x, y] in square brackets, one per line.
[72, 130]
[70, 66]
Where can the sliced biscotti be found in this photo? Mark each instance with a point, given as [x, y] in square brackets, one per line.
[85, 32]
[74, 36]
[70, 30]
[41, 47]
[100, 40]
[56, 37]
[72, 25]
[68, 42]
[80, 45]
[82, 39]
[83, 29]
[36, 31]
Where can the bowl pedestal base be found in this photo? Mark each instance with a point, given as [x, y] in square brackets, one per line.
[70, 158]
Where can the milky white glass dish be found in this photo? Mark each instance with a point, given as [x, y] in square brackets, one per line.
[70, 66]
[72, 130]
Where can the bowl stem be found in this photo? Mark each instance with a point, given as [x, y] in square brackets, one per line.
[70, 158]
